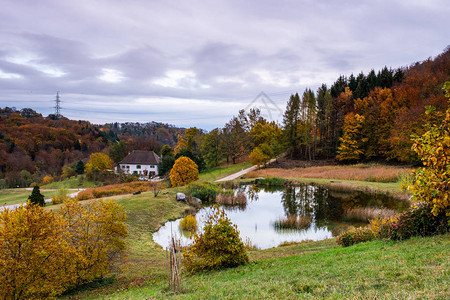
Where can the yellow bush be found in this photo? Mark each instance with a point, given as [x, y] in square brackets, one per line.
[115, 189]
[47, 180]
[184, 171]
[189, 223]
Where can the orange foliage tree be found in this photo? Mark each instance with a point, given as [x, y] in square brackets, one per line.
[184, 171]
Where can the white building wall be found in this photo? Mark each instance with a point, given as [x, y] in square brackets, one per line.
[132, 168]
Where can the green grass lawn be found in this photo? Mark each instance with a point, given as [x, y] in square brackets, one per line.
[15, 196]
[414, 269]
[220, 172]
[146, 259]
[71, 183]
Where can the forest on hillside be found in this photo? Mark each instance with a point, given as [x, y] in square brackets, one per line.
[363, 117]
[33, 146]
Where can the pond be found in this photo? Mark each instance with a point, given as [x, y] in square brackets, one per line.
[328, 213]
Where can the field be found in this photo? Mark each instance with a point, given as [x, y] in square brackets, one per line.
[15, 196]
[71, 183]
[361, 172]
[417, 268]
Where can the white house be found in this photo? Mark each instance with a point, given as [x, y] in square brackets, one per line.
[140, 162]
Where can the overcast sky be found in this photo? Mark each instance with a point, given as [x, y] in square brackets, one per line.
[196, 63]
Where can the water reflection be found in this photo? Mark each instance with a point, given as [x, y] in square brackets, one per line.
[265, 205]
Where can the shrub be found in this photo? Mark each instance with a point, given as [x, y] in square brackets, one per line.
[184, 171]
[47, 180]
[205, 191]
[433, 148]
[219, 246]
[355, 236]
[189, 223]
[419, 220]
[271, 181]
[381, 226]
[115, 189]
[61, 196]
[293, 222]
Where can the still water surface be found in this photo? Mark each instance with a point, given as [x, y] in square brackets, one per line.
[264, 206]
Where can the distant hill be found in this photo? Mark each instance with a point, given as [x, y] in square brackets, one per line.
[32, 146]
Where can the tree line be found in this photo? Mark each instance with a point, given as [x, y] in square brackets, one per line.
[358, 118]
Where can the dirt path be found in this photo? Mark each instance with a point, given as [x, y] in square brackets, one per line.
[242, 172]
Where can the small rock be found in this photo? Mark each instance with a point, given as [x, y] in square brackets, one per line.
[196, 200]
[181, 197]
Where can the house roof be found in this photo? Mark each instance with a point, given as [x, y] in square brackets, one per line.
[141, 157]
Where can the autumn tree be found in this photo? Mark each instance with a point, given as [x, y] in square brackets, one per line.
[96, 233]
[432, 182]
[235, 139]
[257, 157]
[351, 141]
[118, 151]
[211, 148]
[290, 123]
[98, 162]
[33, 254]
[184, 171]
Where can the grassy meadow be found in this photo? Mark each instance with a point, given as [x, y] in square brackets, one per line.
[17, 196]
[75, 182]
[416, 268]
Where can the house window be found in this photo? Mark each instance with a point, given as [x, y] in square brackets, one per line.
[128, 167]
[123, 167]
[135, 172]
[152, 167]
[138, 166]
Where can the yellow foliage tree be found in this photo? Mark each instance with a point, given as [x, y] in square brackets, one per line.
[184, 171]
[257, 157]
[44, 253]
[98, 162]
[31, 246]
[350, 148]
[96, 233]
[432, 183]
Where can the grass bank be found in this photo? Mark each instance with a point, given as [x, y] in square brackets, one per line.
[416, 268]
[75, 182]
[146, 259]
[223, 171]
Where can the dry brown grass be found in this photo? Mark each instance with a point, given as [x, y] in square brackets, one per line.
[366, 213]
[227, 199]
[294, 222]
[374, 173]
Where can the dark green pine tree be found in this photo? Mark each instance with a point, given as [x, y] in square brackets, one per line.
[79, 167]
[36, 197]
